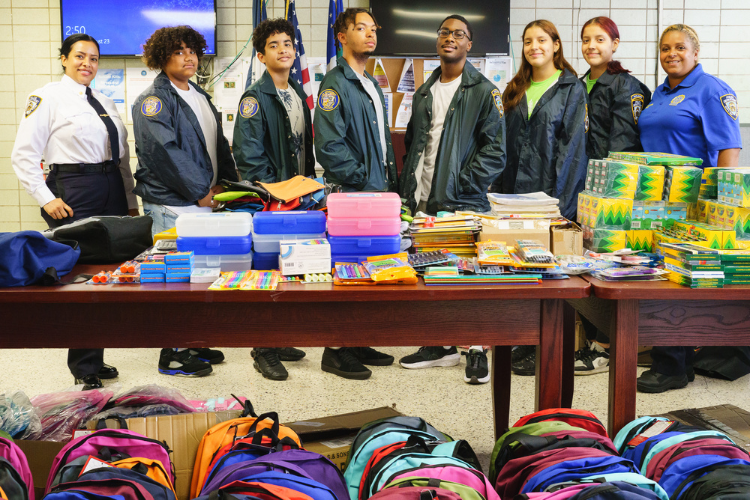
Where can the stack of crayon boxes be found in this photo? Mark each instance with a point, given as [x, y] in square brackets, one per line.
[362, 225]
[216, 240]
[270, 228]
[153, 269]
[179, 266]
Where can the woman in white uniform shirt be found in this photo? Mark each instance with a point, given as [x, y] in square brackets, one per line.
[78, 132]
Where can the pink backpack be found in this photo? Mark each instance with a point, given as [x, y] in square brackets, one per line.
[455, 474]
[119, 440]
[13, 454]
[562, 494]
[416, 493]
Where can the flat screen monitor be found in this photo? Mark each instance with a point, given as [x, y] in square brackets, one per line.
[408, 27]
[122, 26]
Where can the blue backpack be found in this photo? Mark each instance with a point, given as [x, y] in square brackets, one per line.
[671, 441]
[632, 429]
[310, 487]
[28, 258]
[157, 490]
[573, 470]
[630, 478]
[682, 469]
[244, 452]
[616, 490]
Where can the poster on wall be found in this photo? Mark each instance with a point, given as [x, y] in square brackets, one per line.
[404, 111]
[498, 71]
[111, 83]
[137, 79]
[430, 65]
[406, 82]
[227, 93]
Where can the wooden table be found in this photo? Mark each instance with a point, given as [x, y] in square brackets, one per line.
[190, 315]
[658, 313]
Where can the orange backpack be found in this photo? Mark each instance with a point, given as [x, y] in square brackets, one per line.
[148, 467]
[264, 429]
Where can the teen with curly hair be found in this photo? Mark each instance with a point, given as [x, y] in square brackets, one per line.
[182, 155]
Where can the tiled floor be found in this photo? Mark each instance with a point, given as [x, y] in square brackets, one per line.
[439, 394]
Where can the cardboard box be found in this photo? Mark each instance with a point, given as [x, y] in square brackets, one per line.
[509, 236]
[599, 212]
[650, 183]
[566, 240]
[604, 240]
[640, 239]
[682, 184]
[729, 419]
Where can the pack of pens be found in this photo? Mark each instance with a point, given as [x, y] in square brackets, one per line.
[351, 272]
[534, 252]
[433, 258]
[247, 280]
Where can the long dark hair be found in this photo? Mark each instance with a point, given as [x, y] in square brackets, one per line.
[609, 27]
[68, 43]
[522, 81]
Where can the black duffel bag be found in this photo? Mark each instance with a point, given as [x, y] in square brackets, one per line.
[106, 239]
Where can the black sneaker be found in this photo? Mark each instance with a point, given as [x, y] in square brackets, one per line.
[369, 356]
[182, 363]
[108, 372]
[290, 354]
[591, 359]
[525, 360]
[477, 368]
[268, 363]
[344, 363]
[90, 382]
[211, 356]
[427, 357]
[655, 383]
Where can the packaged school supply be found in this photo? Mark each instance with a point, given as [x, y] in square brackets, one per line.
[364, 226]
[304, 256]
[389, 267]
[493, 253]
[655, 158]
[246, 280]
[218, 224]
[682, 184]
[614, 179]
[650, 183]
[364, 205]
[216, 245]
[533, 252]
[359, 248]
[297, 223]
[153, 394]
[205, 275]
[60, 413]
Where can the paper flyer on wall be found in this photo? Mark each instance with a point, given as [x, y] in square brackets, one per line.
[111, 83]
[137, 79]
[406, 82]
[227, 93]
[316, 67]
[378, 73]
[404, 111]
[497, 70]
[388, 101]
[477, 62]
[430, 65]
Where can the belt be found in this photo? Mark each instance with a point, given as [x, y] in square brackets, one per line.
[85, 168]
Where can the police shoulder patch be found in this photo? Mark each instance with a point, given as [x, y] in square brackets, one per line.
[151, 106]
[328, 100]
[636, 106]
[497, 97]
[729, 102]
[249, 107]
[32, 104]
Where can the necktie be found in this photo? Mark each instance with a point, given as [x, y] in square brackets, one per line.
[114, 138]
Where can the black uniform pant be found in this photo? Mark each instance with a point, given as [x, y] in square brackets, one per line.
[88, 194]
[672, 360]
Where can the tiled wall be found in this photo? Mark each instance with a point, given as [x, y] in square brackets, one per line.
[30, 37]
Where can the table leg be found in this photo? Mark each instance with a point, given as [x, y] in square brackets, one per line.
[569, 346]
[623, 358]
[501, 388]
[549, 354]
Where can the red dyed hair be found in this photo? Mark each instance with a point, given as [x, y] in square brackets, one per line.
[610, 28]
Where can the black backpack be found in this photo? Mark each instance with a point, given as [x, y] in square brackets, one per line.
[716, 482]
[11, 482]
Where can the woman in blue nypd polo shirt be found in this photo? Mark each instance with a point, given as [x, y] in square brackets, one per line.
[693, 114]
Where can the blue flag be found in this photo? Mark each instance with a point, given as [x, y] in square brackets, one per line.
[256, 67]
[333, 47]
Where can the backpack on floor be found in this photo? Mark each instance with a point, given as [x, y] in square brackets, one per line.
[11, 481]
[573, 470]
[716, 482]
[578, 418]
[615, 491]
[241, 452]
[630, 478]
[408, 462]
[150, 468]
[310, 487]
[639, 452]
[626, 441]
[17, 459]
[463, 491]
[663, 444]
[261, 430]
[508, 443]
[562, 494]
[120, 489]
[700, 446]
[157, 490]
[682, 470]
[241, 490]
[470, 477]
[112, 441]
[416, 493]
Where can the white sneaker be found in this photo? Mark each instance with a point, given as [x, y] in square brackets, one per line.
[591, 359]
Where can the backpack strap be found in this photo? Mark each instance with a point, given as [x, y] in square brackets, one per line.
[140, 468]
[428, 495]
[417, 441]
[102, 422]
[247, 407]
[272, 416]
[434, 482]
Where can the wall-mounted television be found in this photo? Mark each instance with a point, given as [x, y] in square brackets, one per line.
[122, 26]
[408, 28]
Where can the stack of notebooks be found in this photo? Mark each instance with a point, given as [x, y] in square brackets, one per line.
[532, 205]
[736, 264]
[693, 265]
[450, 275]
[456, 234]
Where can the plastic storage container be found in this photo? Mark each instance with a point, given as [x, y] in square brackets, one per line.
[266, 261]
[289, 223]
[369, 205]
[269, 243]
[217, 245]
[225, 262]
[366, 246]
[218, 224]
[364, 226]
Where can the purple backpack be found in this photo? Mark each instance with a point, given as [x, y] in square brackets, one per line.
[15, 456]
[562, 494]
[300, 462]
[455, 474]
[119, 440]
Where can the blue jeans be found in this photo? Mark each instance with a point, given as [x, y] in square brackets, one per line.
[163, 217]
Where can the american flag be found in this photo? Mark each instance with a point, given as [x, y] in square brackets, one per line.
[299, 71]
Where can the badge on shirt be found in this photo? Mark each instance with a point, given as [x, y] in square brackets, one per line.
[636, 106]
[586, 122]
[32, 104]
[328, 100]
[729, 101]
[249, 107]
[677, 100]
[498, 98]
[151, 106]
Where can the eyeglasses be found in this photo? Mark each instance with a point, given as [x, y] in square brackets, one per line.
[457, 34]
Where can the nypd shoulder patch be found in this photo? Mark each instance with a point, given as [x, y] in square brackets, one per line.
[32, 104]
[249, 107]
[729, 102]
[497, 97]
[328, 100]
[636, 106]
[151, 106]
